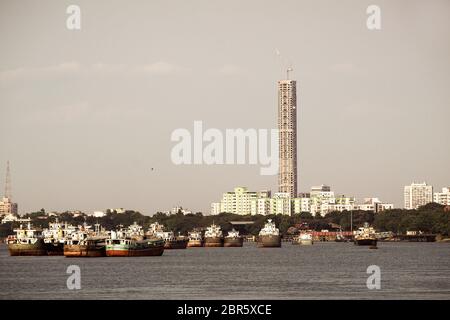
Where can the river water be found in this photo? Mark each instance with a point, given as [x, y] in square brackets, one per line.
[321, 271]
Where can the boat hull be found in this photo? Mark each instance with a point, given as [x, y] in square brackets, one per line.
[76, 250]
[195, 243]
[213, 242]
[36, 249]
[233, 242]
[55, 249]
[145, 252]
[176, 244]
[366, 242]
[269, 241]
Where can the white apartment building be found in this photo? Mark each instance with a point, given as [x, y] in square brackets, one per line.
[281, 203]
[177, 209]
[215, 208]
[417, 194]
[239, 201]
[261, 206]
[321, 200]
[302, 204]
[7, 206]
[374, 204]
[442, 197]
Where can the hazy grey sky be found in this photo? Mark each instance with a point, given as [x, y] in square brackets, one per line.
[86, 114]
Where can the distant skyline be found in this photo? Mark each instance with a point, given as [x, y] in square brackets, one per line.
[87, 114]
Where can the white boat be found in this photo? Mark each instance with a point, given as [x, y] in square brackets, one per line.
[305, 239]
[269, 236]
[213, 236]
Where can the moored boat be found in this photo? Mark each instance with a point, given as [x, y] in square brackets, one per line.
[88, 247]
[233, 239]
[85, 248]
[195, 239]
[173, 242]
[269, 236]
[366, 236]
[127, 247]
[170, 240]
[305, 238]
[213, 236]
[27, 242]
[131, 242]
[54, 237]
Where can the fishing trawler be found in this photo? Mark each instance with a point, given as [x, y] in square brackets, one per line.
[213, 236]
[233, 239]
[131, 242]
[366, 236]
[195, 239]
[269, 236]
[27, 241]
[170, 240]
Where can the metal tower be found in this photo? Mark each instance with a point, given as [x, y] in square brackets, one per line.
[8, 182]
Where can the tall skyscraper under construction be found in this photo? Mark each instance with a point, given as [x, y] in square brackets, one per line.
[287, 126]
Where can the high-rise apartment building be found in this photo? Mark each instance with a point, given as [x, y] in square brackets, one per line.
[287, 126]
[418, 194]
[442, 197]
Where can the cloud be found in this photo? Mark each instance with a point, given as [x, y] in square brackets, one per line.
[65, 68]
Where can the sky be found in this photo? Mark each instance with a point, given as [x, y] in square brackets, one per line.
[86, 114]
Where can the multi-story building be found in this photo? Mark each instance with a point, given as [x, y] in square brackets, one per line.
[178, 209]
[302, 203]
[442, 197]
[8, 207]
[287, 126]
[417, 194]
[215, 208]
[281, 203]
[238, 201]
[261, 206]
[374, 204]
[321, 200]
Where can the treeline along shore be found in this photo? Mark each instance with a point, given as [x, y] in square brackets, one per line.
[431, 218]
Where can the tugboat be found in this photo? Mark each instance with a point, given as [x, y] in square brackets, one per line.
[132, 243]
[27, 242]
[233, 239]
[213, 236]
[365, 236]
[195, 239]
[269, 236]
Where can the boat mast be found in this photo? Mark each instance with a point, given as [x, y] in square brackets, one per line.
[351, 221]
